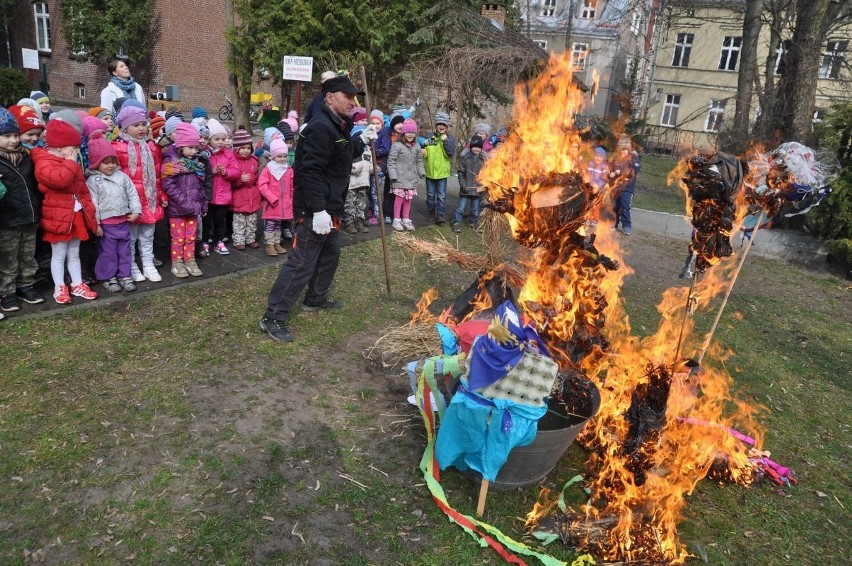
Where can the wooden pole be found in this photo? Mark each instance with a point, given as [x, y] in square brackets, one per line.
[483, 493]
[730, 288]
[379, 190]
[298, 106]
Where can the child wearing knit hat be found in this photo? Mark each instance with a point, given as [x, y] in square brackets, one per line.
[183, 175]
[440, 148]
[116, 206]
[43, 102]
[276, 190]
[225, 172]
[405, 169]
[139, 158]
[623, 168]
[246, 194]
[20, 212]
[29, 124]
[68, 213]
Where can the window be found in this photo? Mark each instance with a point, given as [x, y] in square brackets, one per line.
[819, 116]
[587, 11]
[781, 56]
[683, 47]
[578, 56]
[670, 110]
[636, 23]
[80, 89]
[548, 8]
[541, 43]
[715, 116]
[730, 53]
[832, 59]
[42, 25]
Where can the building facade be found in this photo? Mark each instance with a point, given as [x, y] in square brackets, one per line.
[690, 94]
[605, 39]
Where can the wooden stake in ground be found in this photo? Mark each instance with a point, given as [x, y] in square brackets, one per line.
[483, 493]
[730, 288]
[379, 192]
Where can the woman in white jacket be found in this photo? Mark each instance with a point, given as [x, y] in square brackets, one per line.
[121, 85]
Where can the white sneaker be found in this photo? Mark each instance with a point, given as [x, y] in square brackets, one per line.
[151, 274]
[397, 225]
[408, 225]
[135, 273]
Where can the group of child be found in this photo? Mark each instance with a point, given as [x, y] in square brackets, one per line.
[114, 174]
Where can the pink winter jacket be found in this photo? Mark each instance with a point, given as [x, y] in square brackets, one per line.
[150, 215]
[222, 194]
[277, 195]
[246, 195]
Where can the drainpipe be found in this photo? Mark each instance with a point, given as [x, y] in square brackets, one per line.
[8, 40]
[657, 36]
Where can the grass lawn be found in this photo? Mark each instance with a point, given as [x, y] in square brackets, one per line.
[652, 192]
[168, 429]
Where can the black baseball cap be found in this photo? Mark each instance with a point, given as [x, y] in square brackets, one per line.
[341, 84]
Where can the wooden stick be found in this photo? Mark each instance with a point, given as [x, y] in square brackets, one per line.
[379, 190]
[730, 288]
[483, 493]
[689, 297]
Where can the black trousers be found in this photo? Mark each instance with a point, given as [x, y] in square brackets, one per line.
[214, 226]
[312, 262]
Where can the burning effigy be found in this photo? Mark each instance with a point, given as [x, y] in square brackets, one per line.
[548, 335]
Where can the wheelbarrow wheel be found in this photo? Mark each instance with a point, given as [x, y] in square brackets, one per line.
[226, 113]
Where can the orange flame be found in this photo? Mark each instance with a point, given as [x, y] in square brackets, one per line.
[422, 314]
[569, 295]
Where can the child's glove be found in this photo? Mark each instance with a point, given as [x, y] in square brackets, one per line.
[369, 134]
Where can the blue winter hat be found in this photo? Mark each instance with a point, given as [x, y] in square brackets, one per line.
[8, 124]
[172, 124]
[132, 102]
[39, 96]
[270, 134]
[199, 112]
[600, 151]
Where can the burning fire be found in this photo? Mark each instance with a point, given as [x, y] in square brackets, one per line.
[661, 426]
[422, 314]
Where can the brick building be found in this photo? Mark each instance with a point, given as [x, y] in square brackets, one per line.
[190, 52]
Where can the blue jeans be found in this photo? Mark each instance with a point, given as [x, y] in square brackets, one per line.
[623, 203]
[474, 209]
[436, 197]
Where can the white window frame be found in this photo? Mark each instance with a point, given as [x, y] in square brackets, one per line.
[80, 90]
[832, 59]
[589, 9]
[780, 51]
[541, 43]
[715, 116]
[636, 23]
[683, 43]
[579, 56]
[548, 8]
[42, 26]
[731, 46]
[819, 116]
[668, 117]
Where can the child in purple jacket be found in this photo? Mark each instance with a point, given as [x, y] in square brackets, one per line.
[183, 181]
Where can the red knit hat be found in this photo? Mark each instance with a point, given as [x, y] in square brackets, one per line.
[62, 134]
[155, 125]
[27, 118]
[99, 149]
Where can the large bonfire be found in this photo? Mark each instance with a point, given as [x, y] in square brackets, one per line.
[664, 423]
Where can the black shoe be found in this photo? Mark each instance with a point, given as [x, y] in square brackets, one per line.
[277, 329]
[9, 303]
[328, 304]
[29, 295]
[440, 221]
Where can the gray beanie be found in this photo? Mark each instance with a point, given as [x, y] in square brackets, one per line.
[442, 118]
[70, 117]
[482, 127]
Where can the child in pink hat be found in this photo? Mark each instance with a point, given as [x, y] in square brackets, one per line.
[276, 191]
[405, 169]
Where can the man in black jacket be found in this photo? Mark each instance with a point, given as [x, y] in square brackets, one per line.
[322, 167]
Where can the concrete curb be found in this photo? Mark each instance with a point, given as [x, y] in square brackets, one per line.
[774, 244]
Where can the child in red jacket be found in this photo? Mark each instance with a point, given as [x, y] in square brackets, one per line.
[67, 212]
[246, 193]
[225, 172]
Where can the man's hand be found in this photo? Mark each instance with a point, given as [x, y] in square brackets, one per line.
[322, 223]
[369, 134]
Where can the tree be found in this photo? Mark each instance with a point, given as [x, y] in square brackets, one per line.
[100, 30]
[747, 76]
[13, 86]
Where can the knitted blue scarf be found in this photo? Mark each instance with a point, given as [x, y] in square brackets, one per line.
[128, 86]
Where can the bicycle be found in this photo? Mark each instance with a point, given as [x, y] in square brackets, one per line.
[226, 111]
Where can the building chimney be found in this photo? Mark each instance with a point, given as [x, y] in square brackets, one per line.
[496, 12]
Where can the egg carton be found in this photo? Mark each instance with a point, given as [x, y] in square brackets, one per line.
[528, 383]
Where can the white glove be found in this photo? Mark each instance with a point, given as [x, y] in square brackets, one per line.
[322, 223]
[369, 134]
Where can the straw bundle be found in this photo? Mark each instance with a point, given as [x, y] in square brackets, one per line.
[405, 343]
